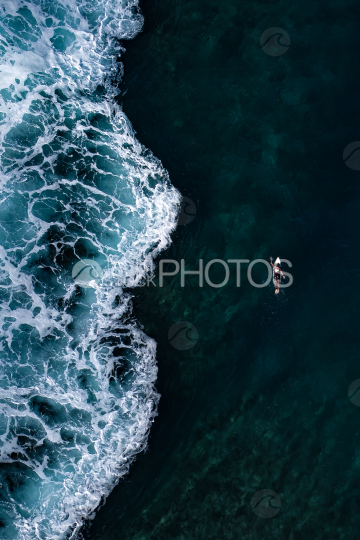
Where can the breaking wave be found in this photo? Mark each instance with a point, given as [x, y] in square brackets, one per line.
[77, 394]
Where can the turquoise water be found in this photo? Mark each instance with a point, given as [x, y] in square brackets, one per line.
[84, 209]
[256, 142]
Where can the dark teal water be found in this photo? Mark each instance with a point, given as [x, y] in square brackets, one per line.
[261, 401]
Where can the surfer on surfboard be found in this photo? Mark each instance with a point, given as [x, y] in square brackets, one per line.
[277, 273]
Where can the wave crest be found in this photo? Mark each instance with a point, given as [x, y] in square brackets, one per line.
[78, 375]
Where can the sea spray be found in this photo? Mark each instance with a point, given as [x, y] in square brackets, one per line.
[77, 394]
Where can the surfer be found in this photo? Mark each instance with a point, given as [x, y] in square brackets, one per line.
[277, 273]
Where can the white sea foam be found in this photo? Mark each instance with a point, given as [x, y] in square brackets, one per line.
[77, 394]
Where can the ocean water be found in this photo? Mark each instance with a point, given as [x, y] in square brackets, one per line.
[77, 384]
[256, 142]
[261, 401]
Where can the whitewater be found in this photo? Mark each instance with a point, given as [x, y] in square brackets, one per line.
[77, 373]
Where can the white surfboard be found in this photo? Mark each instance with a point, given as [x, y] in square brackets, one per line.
[277, 262]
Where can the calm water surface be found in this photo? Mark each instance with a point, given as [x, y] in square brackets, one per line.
[261, 401]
